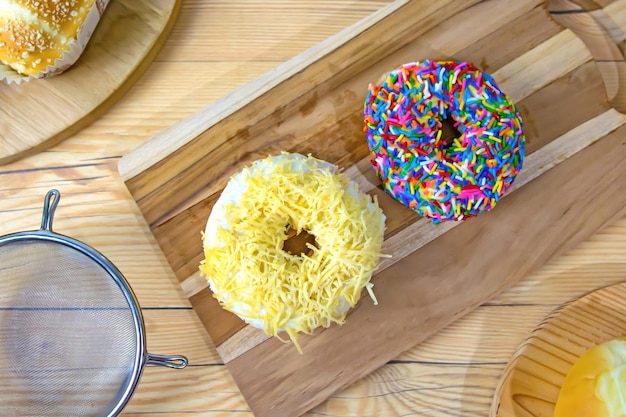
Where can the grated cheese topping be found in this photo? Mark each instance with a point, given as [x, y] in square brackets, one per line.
[252, 275]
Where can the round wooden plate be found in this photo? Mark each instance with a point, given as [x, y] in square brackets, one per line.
[41, 113]
[531, 382]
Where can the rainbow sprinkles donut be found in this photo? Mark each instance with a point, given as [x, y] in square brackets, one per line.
[404, 117]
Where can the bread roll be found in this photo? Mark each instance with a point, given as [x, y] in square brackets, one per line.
[34, 33]
[595, 386]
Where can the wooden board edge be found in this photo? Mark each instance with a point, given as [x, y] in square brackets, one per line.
[602, 37]
[160, 146]
[150, 185]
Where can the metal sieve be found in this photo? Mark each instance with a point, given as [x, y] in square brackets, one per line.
[72, 338]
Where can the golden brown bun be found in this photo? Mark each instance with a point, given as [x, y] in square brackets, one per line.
[595, 386]
[34, 33]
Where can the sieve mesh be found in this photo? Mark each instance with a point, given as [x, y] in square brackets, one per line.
[68, 338]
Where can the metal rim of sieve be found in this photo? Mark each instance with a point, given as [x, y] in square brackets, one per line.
[141, 355]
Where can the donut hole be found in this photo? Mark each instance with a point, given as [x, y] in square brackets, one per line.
[448, 132]
[299, 243]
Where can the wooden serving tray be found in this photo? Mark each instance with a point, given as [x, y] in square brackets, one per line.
[41, 113]
[531, 382]
[571, 185]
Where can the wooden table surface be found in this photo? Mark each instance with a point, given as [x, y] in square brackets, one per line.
[215, 47]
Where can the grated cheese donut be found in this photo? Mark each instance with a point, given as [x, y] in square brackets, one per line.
[253, 276]
[403, 123]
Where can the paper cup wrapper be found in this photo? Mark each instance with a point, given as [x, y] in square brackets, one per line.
[69, 57]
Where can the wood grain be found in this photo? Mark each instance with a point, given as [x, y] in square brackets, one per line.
[531, 382]
[127, 38]
[237, 340]
[225, 45]
[602, 36]
[176, 177]
[412, 306]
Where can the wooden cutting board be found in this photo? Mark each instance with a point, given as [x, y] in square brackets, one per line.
[41, 113]
[531, 382]
[571, 185]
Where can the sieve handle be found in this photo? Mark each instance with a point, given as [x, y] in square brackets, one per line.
[176, 362]
[49, 206]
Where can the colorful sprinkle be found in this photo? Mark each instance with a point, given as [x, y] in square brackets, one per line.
[403, 121]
